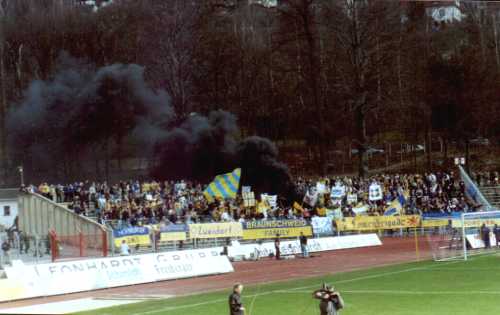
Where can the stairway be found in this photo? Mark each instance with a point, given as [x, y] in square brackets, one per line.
[492, 194]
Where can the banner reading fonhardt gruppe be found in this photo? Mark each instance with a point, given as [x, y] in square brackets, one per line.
[366, 223]
[92, 274]
[137, 235]
[269, 229]
[173, 232]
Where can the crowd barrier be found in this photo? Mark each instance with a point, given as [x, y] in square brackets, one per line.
[77, 235]
[27, 281]
[249, 251]
[216, 234]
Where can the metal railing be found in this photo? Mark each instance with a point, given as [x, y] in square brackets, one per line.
[39, 215]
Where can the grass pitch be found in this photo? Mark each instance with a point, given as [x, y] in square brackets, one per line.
[432, 288]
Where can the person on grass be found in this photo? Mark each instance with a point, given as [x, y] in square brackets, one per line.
[235, 303]
[331, 301]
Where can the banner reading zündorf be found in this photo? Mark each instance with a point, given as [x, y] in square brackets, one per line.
[366, 223]
[215, 230]
[269, 229]
[137, 235]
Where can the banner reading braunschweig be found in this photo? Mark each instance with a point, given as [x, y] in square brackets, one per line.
[215, 230]
[269, 229]
[365, 223]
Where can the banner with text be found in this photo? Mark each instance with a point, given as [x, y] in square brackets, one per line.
[313, 244]
[435, 223]
[215, 230]
[269, 229]
[93, 274]
[365, 223]
[133, 236]
[173, 232]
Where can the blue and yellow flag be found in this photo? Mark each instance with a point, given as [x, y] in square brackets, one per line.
[223, 186]
[395, 207]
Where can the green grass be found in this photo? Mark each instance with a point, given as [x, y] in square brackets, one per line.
[455, 288]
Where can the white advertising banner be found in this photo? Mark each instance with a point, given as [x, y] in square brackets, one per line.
[91, 274]
[313, 244]
[322, 225]
[475, 241]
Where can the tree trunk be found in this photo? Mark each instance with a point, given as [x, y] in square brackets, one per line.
[495, 33]
[3, 101]
[467, 155]
[106, 160]
[361, 131]
[313, 77]
[428, 147]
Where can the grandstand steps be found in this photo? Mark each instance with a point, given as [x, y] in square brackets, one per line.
[492, 194]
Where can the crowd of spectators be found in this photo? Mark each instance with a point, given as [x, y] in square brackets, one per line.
[485, 178]
[151, 202]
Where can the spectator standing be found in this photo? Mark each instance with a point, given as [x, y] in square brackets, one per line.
[485, 233]
[6, 251]
[277, 247]
[496, 231]
[24, 242]
[303, 245]
[124, 249]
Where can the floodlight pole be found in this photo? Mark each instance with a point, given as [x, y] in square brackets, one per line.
[21, 174]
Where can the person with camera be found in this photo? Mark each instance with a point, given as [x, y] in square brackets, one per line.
[235, 303]
[331, 300]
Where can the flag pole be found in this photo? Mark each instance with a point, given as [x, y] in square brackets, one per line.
[417, 252]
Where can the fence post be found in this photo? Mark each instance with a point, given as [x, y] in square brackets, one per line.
[54, 247]
[153, 237]
[104, 244]
[80, 243]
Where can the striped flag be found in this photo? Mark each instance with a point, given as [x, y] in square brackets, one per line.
[396, 206]
[223, 186]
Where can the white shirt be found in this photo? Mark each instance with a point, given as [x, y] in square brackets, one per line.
[124, 249]
[225, 217]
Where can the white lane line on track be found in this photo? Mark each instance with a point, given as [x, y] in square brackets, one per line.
[385, 274]
[402, 292]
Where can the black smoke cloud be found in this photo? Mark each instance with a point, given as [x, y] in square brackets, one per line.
[205, 146]
[81, 105]
[199, 148]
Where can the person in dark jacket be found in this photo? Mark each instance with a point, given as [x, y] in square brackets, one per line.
[235, 303]
[485, 233]
[496, 231]
[331, 300]
[303, 245]
[277, 247]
